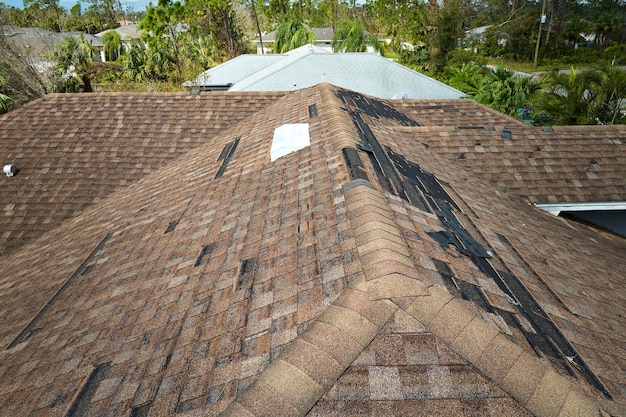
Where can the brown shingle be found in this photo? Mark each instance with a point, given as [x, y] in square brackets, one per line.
[311, 292]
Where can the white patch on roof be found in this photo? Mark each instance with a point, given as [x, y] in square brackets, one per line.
[289, 138]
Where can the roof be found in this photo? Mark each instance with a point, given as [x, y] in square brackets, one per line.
[363, 274]
[125, 31]
[55, 183]
[39, 42]
[309, 65]
[233, 70]
[321, 35]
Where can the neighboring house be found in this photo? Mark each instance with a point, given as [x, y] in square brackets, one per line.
[309, 65]
[475, 36]
[310, 253]
[37, 44]
[128, 33]
[323, 40]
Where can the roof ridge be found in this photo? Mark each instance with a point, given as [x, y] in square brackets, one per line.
[337, 118]
[532, 382]
[267, 71]
[301, 375]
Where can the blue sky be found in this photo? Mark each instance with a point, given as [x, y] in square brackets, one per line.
[67, 4]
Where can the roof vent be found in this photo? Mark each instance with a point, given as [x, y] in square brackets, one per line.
[289, 138]
[10, 170]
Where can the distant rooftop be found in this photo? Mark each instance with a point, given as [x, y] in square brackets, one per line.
[309, 65]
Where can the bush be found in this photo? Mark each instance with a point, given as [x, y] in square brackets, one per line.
[616, 53]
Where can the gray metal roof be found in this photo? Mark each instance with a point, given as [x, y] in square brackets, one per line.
[235, 70]
[309, 65]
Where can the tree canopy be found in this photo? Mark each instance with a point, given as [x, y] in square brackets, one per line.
[449, 40]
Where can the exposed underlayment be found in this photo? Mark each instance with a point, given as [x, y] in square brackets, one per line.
[544, 336]
[373, 272]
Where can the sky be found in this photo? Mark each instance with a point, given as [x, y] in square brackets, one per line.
[137, 5]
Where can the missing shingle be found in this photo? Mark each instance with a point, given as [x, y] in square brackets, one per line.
[171, 227]
[374, 108]
[246, 274]
[530, 270]
[547, 129]
[206, 250]
[459, 128]
[547, 337]
[355, 166]
[88, 269]
[174, 223]
[312, 111]
[141, 410]
[226, 155]
[83, 269]
[80, 405]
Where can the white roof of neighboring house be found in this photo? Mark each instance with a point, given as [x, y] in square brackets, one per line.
[309, 65]
[234, 70]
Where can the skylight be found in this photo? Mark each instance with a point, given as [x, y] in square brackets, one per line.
[289, 138]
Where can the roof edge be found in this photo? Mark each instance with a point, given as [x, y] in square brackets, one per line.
[557, 208]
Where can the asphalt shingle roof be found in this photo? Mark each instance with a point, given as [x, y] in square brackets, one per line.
[366, 273]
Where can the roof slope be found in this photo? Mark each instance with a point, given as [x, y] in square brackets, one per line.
[545, 165]
[357, 275]
[309, 65]
[73, 150]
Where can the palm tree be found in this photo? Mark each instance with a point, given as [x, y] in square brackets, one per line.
[351, 36]
[291, 35]
[499, 88]
[4, 99]
[570, 98]
[112, 45]
[610, 105]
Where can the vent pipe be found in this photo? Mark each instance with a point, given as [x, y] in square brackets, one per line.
[10, 170]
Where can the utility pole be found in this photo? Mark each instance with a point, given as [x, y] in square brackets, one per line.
[542, 20]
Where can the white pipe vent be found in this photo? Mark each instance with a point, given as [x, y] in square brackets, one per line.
[10, 170]
[289, 138]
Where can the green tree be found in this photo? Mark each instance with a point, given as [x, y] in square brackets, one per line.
[4, 99]
[570, 98]
[401, 20]
[350, 36]
[448, 30]
[219, 20]
[161, 31]
[73, 65]
[135, 64]
[328, 13]
[498, 88]
[291, 35]
[112, 45]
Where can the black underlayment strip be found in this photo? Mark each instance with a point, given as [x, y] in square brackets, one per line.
[204, 251]
[353, 161]
[226, 156]
[80, 406]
